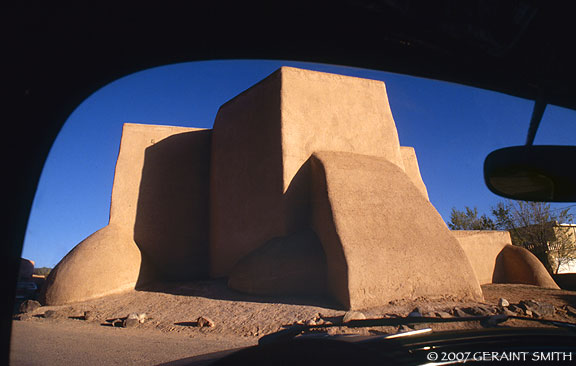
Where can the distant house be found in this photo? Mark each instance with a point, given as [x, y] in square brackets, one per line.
[570, 232]
[561, 243]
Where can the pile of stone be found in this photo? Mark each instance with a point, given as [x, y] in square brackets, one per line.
[29, 306]
[529, 308]
[524, 308]
[130, 321]
[26, 308]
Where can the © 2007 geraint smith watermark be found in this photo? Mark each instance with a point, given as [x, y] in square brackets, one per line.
[537, 356]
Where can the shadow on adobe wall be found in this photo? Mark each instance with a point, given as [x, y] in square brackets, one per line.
[173, 205]
[566, 281]
[172, 222]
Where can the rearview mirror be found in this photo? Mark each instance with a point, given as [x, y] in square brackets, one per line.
[533, 173]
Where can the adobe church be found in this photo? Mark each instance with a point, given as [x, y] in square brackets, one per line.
[302, 186]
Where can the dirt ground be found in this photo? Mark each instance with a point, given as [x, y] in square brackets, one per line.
[173, 309]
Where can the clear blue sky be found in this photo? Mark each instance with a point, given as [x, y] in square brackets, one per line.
[452, 128]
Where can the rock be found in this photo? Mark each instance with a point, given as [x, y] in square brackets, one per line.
[89, 315]
[528, 312]
[546, 309]
[443, 314]
[492, 310]
[353, 315]
[415, 313]
[117, 322]
[571, 310]
[320, 321]
[29, 306]
[459, 313]
[311, 322]
[404, 328]
[494, 320]
[540, 308]
[205, 322]
[503, 302]
[142, 317]
[525, 304]
[131, 322]
[507, 312]
[53, 314]
[23, 316]
[481, 311]
[515, 308]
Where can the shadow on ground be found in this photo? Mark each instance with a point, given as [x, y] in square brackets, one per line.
[570, 299]
[200, 360]
[217, 289]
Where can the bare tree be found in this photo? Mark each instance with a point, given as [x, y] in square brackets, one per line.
[563, 246]
[536, 227]
[469, 220]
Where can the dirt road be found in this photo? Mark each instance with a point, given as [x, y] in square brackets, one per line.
[74, 343]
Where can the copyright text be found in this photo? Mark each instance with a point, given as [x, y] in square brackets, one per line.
[501, 356]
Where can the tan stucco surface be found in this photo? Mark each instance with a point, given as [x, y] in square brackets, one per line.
[328, 112]
[515, 264]
[412, 169]
[158, 224]
[482, 248]
[382, 238]
[263, 137]
[168, 205]
[293, 264]
[106, 262]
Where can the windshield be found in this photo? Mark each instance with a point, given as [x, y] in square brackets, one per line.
[223, 201]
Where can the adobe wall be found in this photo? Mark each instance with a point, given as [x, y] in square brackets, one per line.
[515, 264]
[263, 137]
[482, 247]
[164, 178]
[382, 238]
[158, 225]
[105, 263]
[496, 260]
[160, 193]
[290, 265]
[412, 169]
